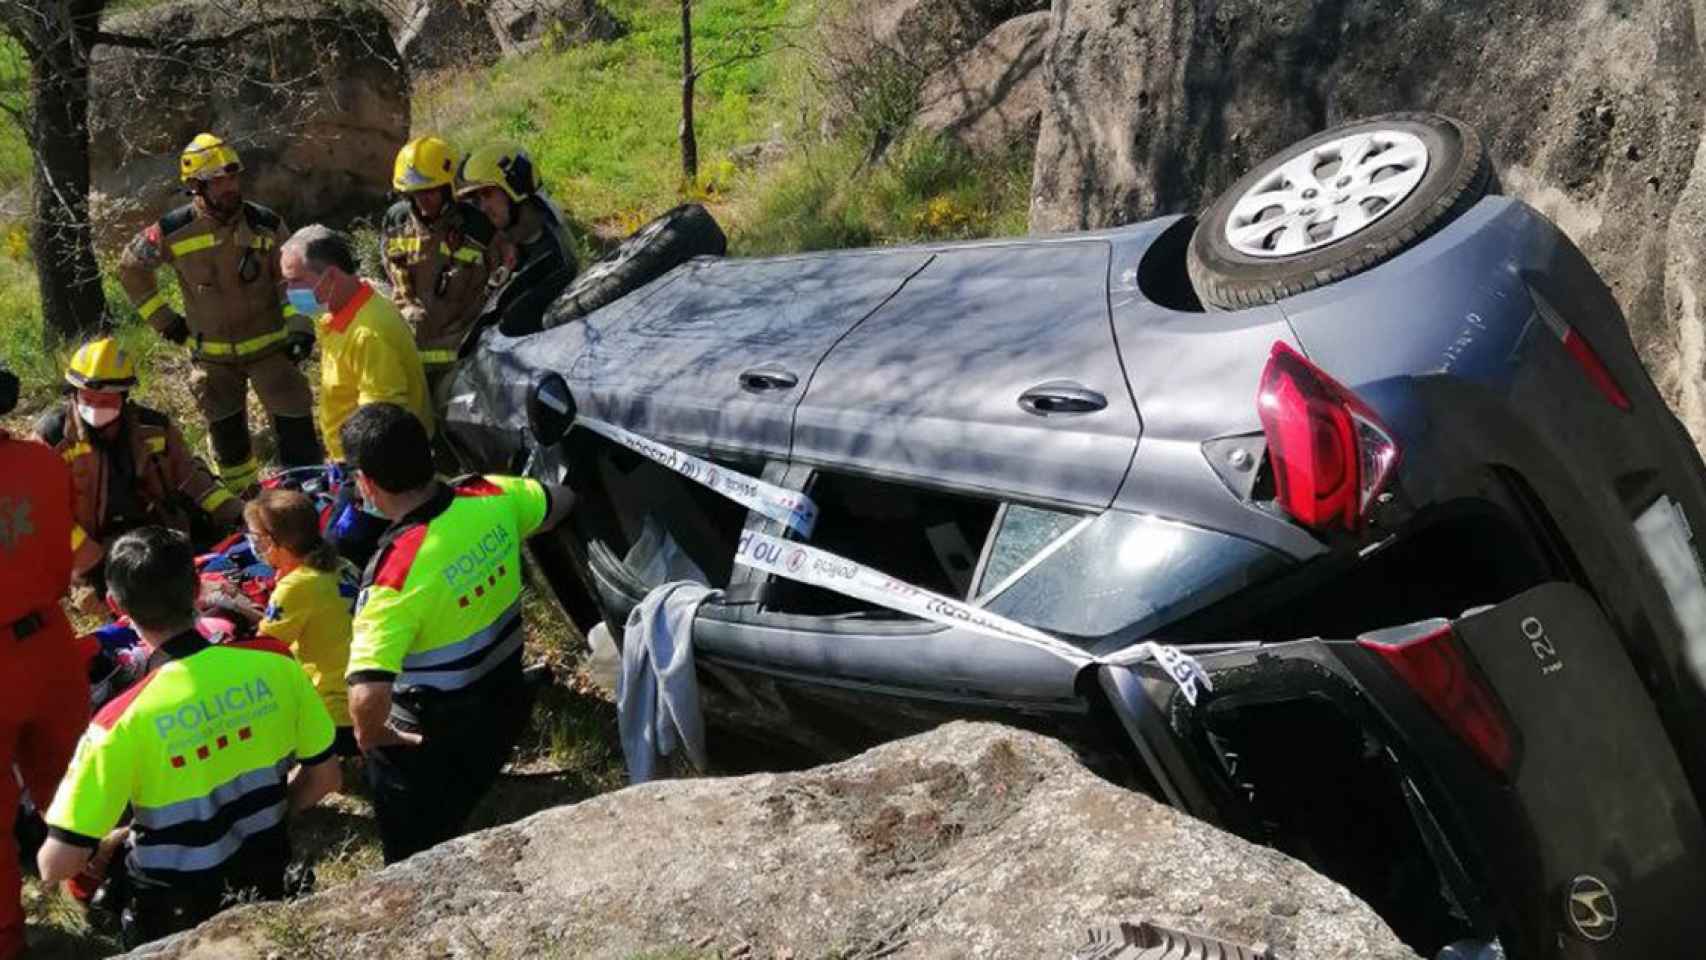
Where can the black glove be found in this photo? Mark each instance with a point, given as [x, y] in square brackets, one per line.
[177, 331]
[299, 346]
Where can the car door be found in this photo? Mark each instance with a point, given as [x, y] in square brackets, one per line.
[717, 353]
[993, 369]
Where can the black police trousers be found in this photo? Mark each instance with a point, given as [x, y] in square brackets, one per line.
[423, 796]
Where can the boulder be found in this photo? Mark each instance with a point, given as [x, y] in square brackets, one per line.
[448, 34]
[317, 105]
[973, 840]
[992, 98]
[877, 56]
[1155, 105]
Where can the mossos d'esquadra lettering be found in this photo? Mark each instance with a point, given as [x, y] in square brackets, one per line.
[479, 559]
[241, 701]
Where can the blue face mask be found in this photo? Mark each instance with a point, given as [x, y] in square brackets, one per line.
[304, 301]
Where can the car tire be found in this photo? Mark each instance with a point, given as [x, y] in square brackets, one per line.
[1266, 238]
[686, 232]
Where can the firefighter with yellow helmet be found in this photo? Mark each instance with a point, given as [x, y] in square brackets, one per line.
[130, 466]
[224, 251]
[501, 179]
[441, 254]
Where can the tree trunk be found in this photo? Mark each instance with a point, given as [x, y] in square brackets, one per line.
[61, 239]
[689, 141]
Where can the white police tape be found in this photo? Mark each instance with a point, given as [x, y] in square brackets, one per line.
[796, 510]
[821, 568]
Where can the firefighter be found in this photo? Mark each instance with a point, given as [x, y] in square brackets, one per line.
[224, 251]
[211, 752]
[440, 254]
[129, 464]
[44, 692]
[502, 181]
[435, 682]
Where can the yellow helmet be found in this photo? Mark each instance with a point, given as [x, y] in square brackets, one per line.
[502, 165]
[423, 164]
[102, 365]
[207, 157]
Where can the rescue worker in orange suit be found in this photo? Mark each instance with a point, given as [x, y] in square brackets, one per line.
[224, 251]
[441, 255]
[500, 178]
[129, 465]
[44, 692]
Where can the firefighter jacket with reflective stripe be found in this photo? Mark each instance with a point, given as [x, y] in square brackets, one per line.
[309, 611]
[440, 606]
[228, 274]
[200, 750]
[438, 272]
[145, 470]
[367, 355]
[36, 531]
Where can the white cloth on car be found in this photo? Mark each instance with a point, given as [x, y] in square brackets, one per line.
[657, 694]
[655, 558]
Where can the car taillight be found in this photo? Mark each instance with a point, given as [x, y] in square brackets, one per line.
[1429, 659]
[1330, 452]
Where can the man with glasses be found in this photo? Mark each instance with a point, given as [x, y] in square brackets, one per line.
[224, 251]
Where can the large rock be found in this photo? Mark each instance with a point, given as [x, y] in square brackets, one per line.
[971, 841]
[317, 106]
[875, 56]
[992, 97]
[521, 25]
[1593, 111]
[451, 34]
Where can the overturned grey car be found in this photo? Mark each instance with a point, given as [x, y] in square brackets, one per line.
[1367, 441]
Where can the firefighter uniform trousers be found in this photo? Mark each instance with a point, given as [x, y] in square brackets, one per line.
[44, 687]
[440, 617]
[229, 276]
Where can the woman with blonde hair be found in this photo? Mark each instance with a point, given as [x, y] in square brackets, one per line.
[312, 604]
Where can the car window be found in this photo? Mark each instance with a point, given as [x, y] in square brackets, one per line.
[1122, 573]
[927, 538]
[1022, 533]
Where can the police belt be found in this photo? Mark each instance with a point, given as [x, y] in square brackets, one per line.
[414, 709]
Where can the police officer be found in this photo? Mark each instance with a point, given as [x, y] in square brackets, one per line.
[224, 251]
[439, 253]
[201, 750]
[435, 682]
[129, 464]
[502, 181]
[44, 692]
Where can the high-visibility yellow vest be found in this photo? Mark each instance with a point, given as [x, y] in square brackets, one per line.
[200, 750]
[440, 606]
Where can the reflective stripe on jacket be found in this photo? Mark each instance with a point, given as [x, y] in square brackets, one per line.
[228, 274]
[166, 475]
[438, 272]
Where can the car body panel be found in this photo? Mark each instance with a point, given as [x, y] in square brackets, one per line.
[927, 389]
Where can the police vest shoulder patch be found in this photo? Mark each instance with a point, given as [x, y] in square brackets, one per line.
[392, 568]
[109, 715]
[177, 219]
[260, 218]
[263, 645]
[477, 487]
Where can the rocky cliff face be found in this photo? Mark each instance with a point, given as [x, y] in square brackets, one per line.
[972, 841]
[317, 107]
[1592, 111]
